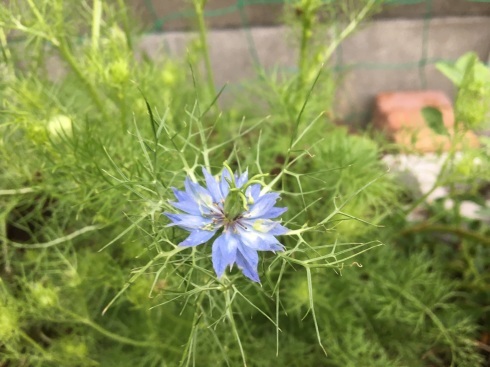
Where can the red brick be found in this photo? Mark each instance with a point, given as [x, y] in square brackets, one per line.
[399, 115]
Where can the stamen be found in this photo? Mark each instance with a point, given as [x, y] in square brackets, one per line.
[242, 225]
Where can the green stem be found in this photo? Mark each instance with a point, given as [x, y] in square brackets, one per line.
[126, 23]
[5, 52]
[3, 235]
[64, 48]
[36, 346]
[56, 241]
[68, 57]
[306, 23]
[232, 175]
[457, 139]
[231, 318]
[346, 32]
[21, 191]
[205, 151]
[96, 18]
[5, 249]
[349, 29]
[107, 333]
[186, 355]
[458, 231]
[199, 9]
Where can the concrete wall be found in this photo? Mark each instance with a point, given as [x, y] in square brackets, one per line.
[393, 49]
[383, 56]
[168, 15]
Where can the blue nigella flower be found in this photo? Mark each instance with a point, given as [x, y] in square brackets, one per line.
[236, 206]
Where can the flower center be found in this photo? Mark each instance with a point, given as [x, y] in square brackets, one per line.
[234, 207]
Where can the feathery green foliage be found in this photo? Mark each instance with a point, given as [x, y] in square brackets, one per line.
[90, 273]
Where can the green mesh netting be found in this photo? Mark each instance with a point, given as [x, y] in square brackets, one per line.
[162, 17]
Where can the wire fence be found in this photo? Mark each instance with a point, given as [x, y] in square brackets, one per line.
[425, 47]
[162, 14]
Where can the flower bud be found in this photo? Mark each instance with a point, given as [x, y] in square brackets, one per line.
[59, 126]
[44, 297]
[9, 322]
[234, 204]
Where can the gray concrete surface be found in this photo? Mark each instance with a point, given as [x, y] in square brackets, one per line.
[383, 56]
[170, 15]
[391, 49]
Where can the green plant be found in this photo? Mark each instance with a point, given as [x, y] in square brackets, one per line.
[92, 275]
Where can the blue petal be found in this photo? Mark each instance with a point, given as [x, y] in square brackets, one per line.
[265, 226]
[187, 221]
[252, 193]
[213, 186]
[278, 230]
[197, 237]
[224, 252]
[181, 195]
[223, 184]
[247, 260]
[173, 217]
[273, 213]
[198, 193]
[262, 206]
[259, 241]
[187, 206]
[240, 180]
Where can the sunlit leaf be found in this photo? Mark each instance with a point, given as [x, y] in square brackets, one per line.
[433, 118]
